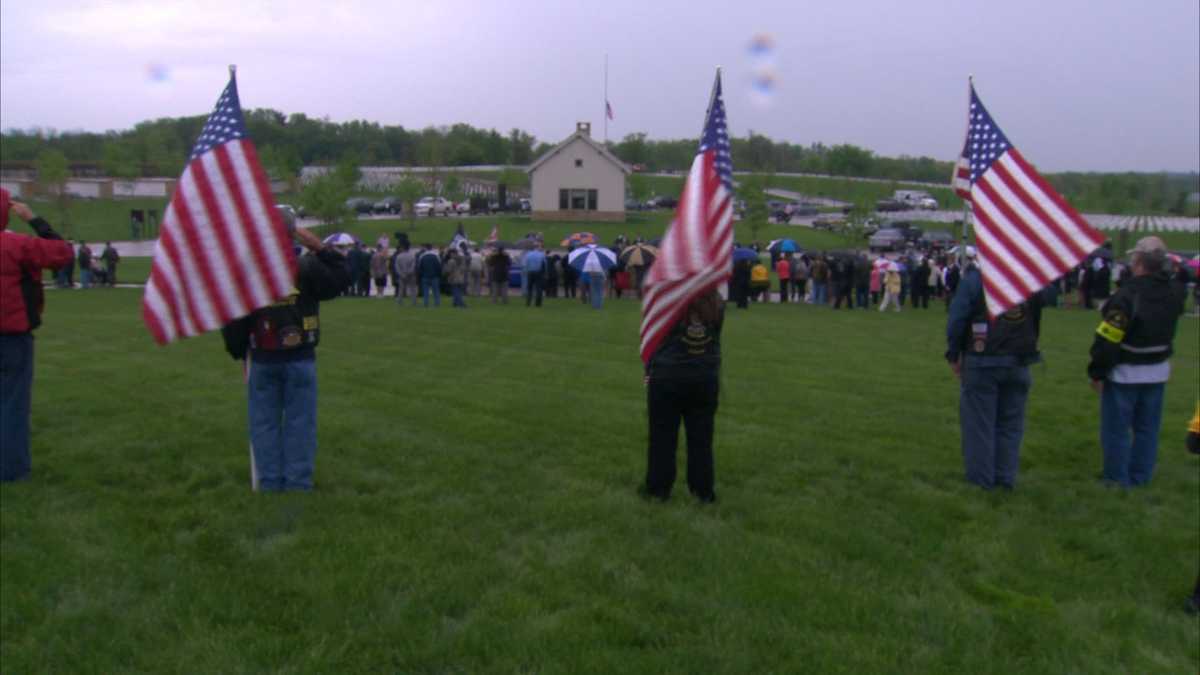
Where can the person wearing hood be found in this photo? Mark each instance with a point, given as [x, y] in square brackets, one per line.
[22, 259]
[1130, 364]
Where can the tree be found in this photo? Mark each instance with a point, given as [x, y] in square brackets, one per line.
[52, 174]
[751, 190]
[639, 187]
[520, 147]
[409, 190]
[347, 172]
[325, 197]
[452, 188]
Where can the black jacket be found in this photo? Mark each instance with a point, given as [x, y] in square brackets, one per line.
[319, 276]
[690, 352]
[1138, 326]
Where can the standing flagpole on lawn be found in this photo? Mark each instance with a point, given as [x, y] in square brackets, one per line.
[604, 112]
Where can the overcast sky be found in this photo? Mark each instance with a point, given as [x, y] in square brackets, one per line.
[1094, 85]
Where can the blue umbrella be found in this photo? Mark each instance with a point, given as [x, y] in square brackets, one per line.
[744, 254]
[592, 258]
[783, 246]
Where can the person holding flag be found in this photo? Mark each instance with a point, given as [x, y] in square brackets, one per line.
[1027, 237]
[682, 315]
[224, 259]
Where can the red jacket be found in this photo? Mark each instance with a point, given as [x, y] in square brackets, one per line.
[22, 259]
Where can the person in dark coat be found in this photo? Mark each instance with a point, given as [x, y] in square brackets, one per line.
[739, 283]
[991, 358]
[682, 384]
[1130, 364]
[429, 271]
[841, 271]
[281, 384]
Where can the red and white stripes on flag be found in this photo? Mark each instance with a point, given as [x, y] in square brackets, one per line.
[961, 180]
[695, 255]
[223, 250]
[1027, 234]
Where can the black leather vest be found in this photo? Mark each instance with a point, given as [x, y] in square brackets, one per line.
[291, 323]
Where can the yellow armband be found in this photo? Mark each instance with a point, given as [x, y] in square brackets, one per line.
[1110, 332]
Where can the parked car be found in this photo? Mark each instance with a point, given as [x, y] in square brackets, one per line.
[633, 205]
[667, 202]
[433, 206]
[828, 223]
[887, 239]
[360, 205]
[462, 207]
[927, 203]
[886, 205]
[526, 205]
[391, 205]
[937, 240]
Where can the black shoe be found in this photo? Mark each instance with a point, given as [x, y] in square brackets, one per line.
[645, 493]
[1193, 605]
[710, 498]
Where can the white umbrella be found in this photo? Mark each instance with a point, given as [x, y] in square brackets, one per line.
[340, 239]
[592, 258]
[970, 251]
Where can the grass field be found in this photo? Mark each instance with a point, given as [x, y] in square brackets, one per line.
[475, 507]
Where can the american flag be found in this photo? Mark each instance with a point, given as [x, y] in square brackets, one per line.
[495, 235]
[608, 109]
[223, 251]
[1026, 233]
[694, 256]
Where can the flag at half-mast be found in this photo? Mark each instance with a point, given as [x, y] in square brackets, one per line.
[1026, 233]
[695, 253]
[223, 250]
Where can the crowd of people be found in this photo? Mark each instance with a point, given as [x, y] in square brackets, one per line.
[94, 270]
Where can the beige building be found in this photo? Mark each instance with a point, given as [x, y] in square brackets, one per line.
[578, 180]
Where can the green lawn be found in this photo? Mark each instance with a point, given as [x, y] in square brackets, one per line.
[476, 507]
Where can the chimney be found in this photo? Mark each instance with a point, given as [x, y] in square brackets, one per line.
[585, 128]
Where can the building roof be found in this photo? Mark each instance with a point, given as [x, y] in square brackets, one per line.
[586, 138]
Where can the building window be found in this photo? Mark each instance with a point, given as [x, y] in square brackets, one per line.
[578, 199]
[578, 163]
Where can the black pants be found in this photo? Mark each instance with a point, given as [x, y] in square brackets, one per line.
[843, 293]
[669, 401]
[533, 288]
[783, 290]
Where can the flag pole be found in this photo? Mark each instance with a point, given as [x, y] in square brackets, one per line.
[246, 366]
[962, 249]
[604, 112]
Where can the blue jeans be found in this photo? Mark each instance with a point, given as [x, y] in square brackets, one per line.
[456, 290]
[991, 414]
[1125, 408]
[596, 289]
[85, 278]
[434, 285]
[16, 387]
[283, 423]
[819, 292]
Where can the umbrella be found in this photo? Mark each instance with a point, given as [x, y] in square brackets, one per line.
[1102, 252]
[592, 258]
[783, 246]
[970, 251]
[1194, 263]
[341, 239]
[744, 254]
[497, 244]
[639, 255]
[895, 267]
[579, 239]
[525, 244]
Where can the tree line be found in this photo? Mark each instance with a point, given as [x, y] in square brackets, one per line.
[287, 143]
